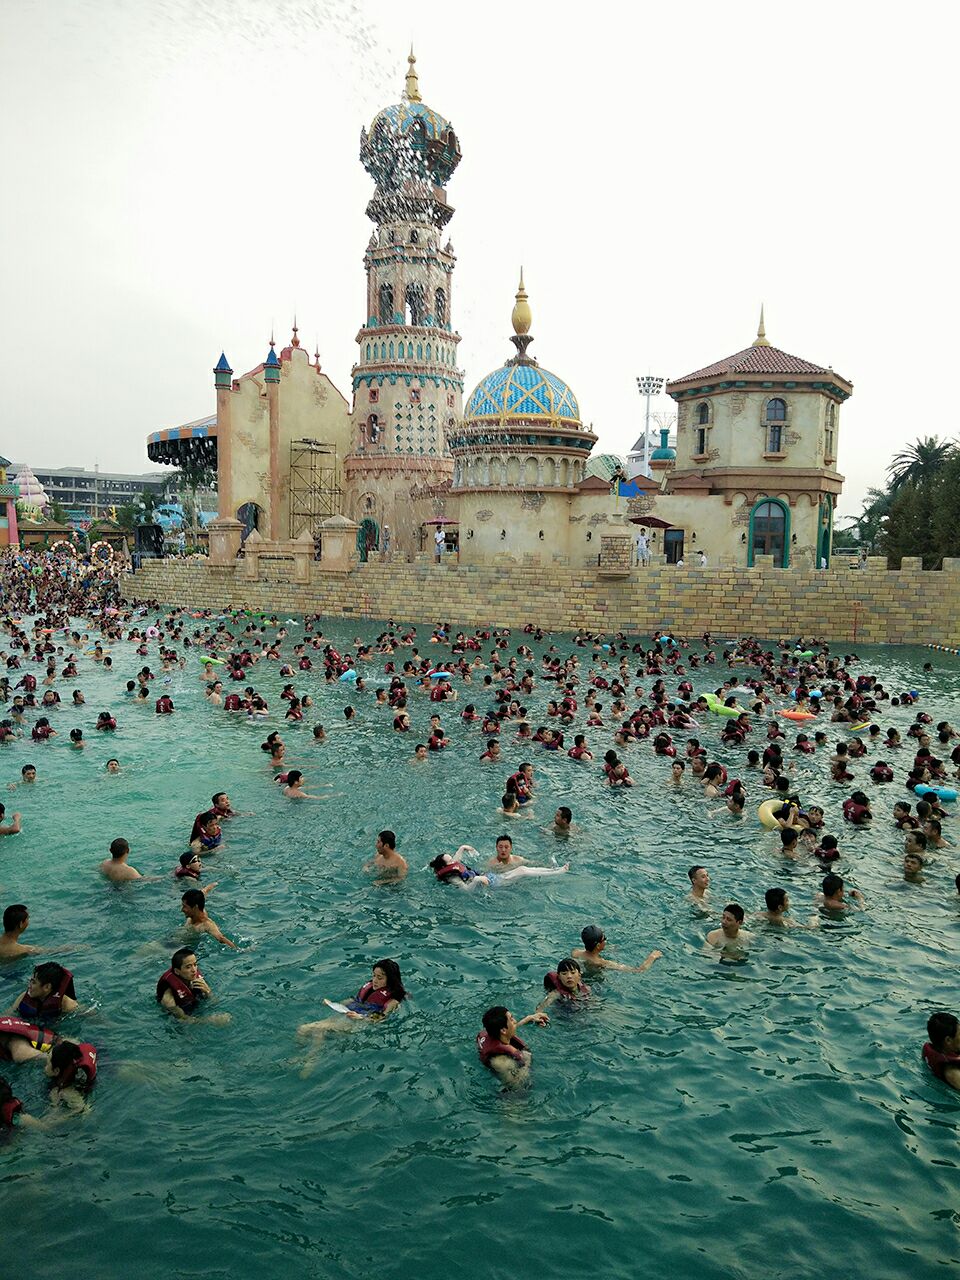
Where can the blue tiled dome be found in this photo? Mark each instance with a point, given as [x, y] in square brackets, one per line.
[522, 391]
[402, 116]
[663, 453]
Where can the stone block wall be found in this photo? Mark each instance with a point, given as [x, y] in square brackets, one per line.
[842, 605]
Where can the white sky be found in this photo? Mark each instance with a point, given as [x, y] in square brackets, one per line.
[179, 175]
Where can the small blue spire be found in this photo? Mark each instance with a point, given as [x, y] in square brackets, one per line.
[271, 359]
[223, 364]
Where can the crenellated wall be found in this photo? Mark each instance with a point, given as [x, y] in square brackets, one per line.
[841, 605]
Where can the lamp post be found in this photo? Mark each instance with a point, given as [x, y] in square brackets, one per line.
[648, 386]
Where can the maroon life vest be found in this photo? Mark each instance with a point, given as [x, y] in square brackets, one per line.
[8, 1110]
[231, 702]
[39, 1037]
[367, 995]
[854, 812]
[458, 869]
[881, 773]
[552, 982]
[52, 1005]
[82, 1072]
[938, 1061]
[182, 992]
[489, 1048]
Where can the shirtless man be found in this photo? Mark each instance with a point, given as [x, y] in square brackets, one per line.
[699, 885]
[778, 904]
[386, 862]
[730, 938]
[562, 821]
[193, 905]
[116, 867]
[833, 896]
[505, 858]
[10, 828]
[594, 940]
[16, 919]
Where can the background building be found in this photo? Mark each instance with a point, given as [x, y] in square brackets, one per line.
[87, 495]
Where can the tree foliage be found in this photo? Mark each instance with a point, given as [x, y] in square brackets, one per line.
[922, 515]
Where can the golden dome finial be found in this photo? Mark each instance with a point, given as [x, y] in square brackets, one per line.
[412, 90]
[521, 317]
[761, 339]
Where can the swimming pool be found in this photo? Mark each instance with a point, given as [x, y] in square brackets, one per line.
[712, 1120]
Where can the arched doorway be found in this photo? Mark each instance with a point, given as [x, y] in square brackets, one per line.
[249, 516]
[825, 533]
[770, 532]
[368, 538]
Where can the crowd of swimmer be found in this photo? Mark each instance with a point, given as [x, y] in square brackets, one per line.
[770, 686]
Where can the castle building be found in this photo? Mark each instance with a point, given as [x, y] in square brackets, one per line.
[752, 472]
[754, 469]
[520, 455]
[407, 387]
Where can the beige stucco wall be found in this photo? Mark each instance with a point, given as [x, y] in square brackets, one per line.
[310, 407]
[736, 436]
[840, 605]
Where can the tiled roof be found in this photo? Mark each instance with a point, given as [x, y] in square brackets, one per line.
[753, 360]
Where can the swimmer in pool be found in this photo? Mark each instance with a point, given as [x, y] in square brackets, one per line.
[375, 1000]
[12, 827]
[193, 905]
[501, 1049]
[730, 939]
[113, 766]
[833, 896]
[699, 887]
[183, 986]
[116, 867]
[562, 821]
[293, 787]
[505, 858]
[594, 941]
[16, 919]
[386, 863]
[449, 869]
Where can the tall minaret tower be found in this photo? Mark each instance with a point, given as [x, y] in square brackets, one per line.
[407, 387]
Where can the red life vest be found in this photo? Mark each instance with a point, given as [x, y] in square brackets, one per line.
[489, 1048]
[458, 869]
[881, 773]
[854, 812]
[40, 732]
[938, 1061]
[39, 1037]
[552, 982]
[82, 1072]
[51, 1006]
[577, 753]
[182, 992]
[367, 995]
[8, 1110]
[231, 702]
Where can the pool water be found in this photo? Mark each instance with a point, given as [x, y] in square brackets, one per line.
[770, 1117]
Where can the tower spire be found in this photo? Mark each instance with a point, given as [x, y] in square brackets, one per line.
[295, 341]
[521, 318]
[761, 339]
[412, 89]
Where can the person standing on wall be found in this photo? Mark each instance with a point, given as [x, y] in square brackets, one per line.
[439, 543]
[643, 549]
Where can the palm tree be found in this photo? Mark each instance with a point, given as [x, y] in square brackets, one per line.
[920, 462]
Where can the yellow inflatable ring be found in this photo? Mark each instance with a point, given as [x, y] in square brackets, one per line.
[765, 813]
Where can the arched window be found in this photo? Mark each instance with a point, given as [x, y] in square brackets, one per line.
[414, 236]
[415, 303]
[391, 350]
[373, 428]
[428, 350]
[440, 306]
[386, 303]
[776, 410]
[703, 415]
[829, 437]
[770, 532]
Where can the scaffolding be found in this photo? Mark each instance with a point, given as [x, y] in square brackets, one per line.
[314, 492]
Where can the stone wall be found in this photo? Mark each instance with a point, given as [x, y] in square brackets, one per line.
[870, 606]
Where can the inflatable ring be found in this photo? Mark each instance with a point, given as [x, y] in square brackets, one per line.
[716, 706]
[797, 715]
[217, 662]
[802, 653]
[348, 675]
[153, 632]
[943, 793]
[864, 724]
[765, 814]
